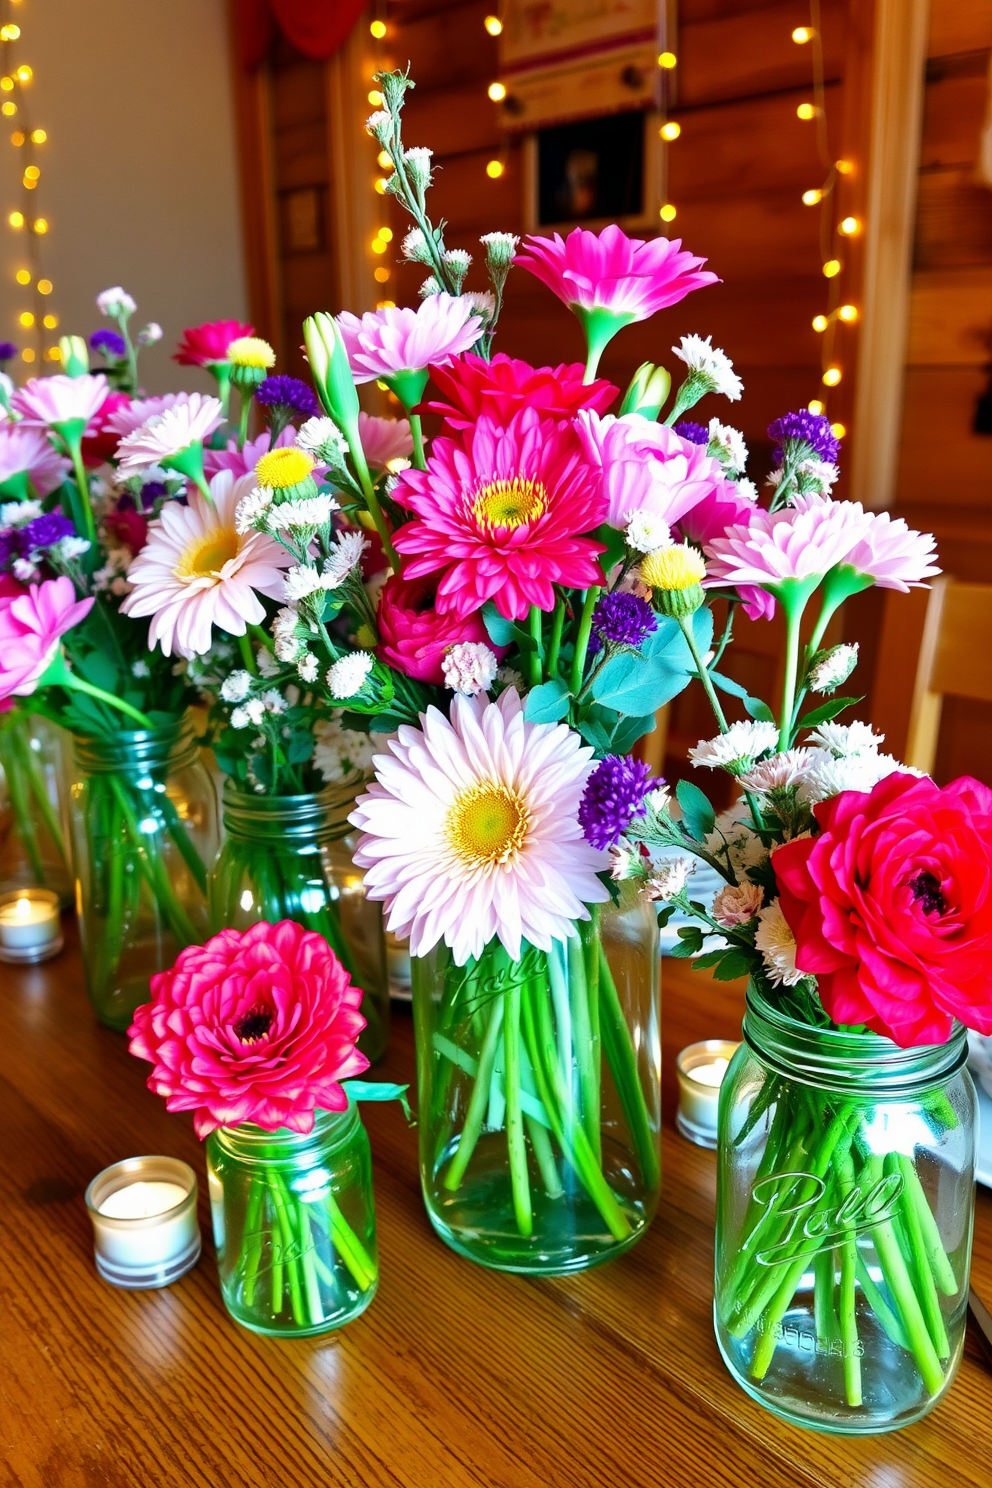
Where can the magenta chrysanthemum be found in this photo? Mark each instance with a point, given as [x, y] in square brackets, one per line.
[470, 830]
[647, 467]
[609, 271]
[471, 386]
[256, 1025]
[384, 342]
[789, 544]
[500, 511]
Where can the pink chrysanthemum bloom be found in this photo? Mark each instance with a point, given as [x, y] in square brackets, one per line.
[243, 461]
[255, 1026]
[629, 278]
[31, 625]
[712, 517]
[471, 387]
[197, 571]
[501, 511]
[382, 343]
[786, 545]
[137, 411]
[646, 466]
[27, 459]
[384, 439]
[470, 831]
[206, 344]
[892, 555]
[189, 420]
[51, 402]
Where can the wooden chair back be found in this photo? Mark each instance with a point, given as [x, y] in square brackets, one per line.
[935, 643]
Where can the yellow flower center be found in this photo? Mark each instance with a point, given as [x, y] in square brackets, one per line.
[673, 568]
[509, 503]
[487, 823]
[251, 351]
[283, 467]
[207, 555]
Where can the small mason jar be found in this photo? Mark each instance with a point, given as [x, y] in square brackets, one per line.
[294, 1223]
[845, 1201]
[539, 1094]
[32, 838]
[290, 858]
[142, 816]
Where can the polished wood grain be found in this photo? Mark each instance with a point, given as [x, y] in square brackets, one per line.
[455, 1377]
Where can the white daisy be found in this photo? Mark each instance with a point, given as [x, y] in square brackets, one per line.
[190, 420]
[348, 675]
[738, 748]
[829, 775]
[777, 945]
[843, 739]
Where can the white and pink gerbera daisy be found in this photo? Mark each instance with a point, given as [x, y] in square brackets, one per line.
[190, 419]
[794, 544]
[893, 555]
[382, 343]
[470, 831]
[60, 401]
[197, 571]
[384, 439]
[28, 459]
[132, 415]
[501, 510]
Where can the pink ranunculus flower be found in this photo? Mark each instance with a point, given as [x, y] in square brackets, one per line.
[255, 1026]
[32, 624]
[414, 638]
[47, 402]
[204, 345]
[647, 466]
[243, 461]
[382, 343]
[628, 277]
[891, 906]
[384, 439]
[502, 514]
[28, 457]
[471, 386]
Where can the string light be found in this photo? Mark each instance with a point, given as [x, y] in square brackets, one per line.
[812, 197]
[838, 431]
[820, 322]
[386, 234]
[45, 286]
[667, 60]
[28, 354]
[805, 111]
[378, 29]
[384, 160]
[671, 130]
[40, 225]
[831, 268]
[16, 219]
[497, 92]
[15, 75]
[23, 276]
[378, 246]
[848, 313]
[50, 322]
[384, 305]
[802, 34]
[26, 317]
[815, 406]
[850, 226]
[668, 213]
[375, 98]
[493, 25]
[494, 169]
[832, 377]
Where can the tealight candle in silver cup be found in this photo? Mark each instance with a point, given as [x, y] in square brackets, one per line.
[145, 1229]
[701, 1068]
[30, 926]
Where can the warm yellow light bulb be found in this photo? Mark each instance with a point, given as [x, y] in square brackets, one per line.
[53, 354]
[838, 431]
[45, 286]
[7, 84]
[8, 110]
[668, 213]
[24, 73]
[16, 219]
[9, 32]
[385, 305]
[831, 268]
[850, 226]
[17, 138]
[27, 355]
[805, 111]
[820, 322]
[671, 130]
[668, 60]
[32, 173]
[843, 167]
[380, 185]
[29, 182]
[50, 322]
[831, 377]
[39, 136]
[815, 406]
[493, 25]
[26, 318]
[376, 99]
[494, 169]
[378, 246]
[380, 275]
[386, 234]
[497, 92]
[378, 29]
[41, 225]
[23, 276]
[812, 197]
[384, 160]
[803, 34]
[848, 313]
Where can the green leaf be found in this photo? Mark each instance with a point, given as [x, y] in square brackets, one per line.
[707, 959]
[755, 707]
[629, 730]
[547, 703]
[697, 813]
[595, 734]
[826, 711]
[665, 913]
[503, 632]
[634, 685]
[683, 949]
[734, 964]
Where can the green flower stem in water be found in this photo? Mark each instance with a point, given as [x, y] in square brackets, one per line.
[519, 1182]
[479, 1100]
[623, 1061]
[17, 791]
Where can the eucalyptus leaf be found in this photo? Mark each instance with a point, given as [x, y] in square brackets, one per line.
[755, 707]
[826, 711]
[547, 703]
[697, 813]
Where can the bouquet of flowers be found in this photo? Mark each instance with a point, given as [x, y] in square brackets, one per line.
[255, 1034]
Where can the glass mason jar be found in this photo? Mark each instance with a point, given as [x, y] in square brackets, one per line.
[539, 1094]
[290, 857]
[143, 825]
[294, 1223]
[845, 1201]
[32, 840]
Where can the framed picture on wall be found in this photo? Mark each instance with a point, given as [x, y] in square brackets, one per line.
[592, 171]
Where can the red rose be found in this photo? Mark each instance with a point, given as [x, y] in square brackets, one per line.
[414, 637]
[891, 906]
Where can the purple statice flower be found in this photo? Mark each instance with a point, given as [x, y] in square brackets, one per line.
[811, 429]
[613, 796]
[45, 531]
[624, 619]
[109, 343]
[7, 351]
[289, 393]
[10, 547]
[695, 433]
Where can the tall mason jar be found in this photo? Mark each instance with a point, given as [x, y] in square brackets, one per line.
[32, 838]
[142, 817]
[844, 1218]
[539, 1094]
[290, 858]
[294, 1223]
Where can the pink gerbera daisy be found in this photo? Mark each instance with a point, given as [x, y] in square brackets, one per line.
[32, 624]
[137, 411]
[185, 423]
[501, 510]
[63, 403]
[470, 831]
[630, 278]
[382, 343]
[28, 460]
[793, 544]
[892, 555]
[197, 571]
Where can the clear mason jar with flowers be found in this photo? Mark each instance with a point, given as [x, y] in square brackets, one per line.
[32, 840]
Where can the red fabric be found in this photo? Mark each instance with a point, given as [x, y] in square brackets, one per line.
[314, 27]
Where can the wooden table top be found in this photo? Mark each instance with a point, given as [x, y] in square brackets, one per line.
[456, 1377]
